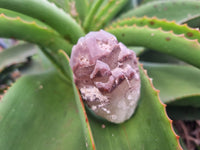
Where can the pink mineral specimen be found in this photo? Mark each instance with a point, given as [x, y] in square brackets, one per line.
[107, 75]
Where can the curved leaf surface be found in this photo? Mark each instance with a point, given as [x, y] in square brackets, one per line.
[39, 112]
[50, 14]
[176, 82]
[79, 102]
[179, 88]
[16, 54]
[181, 11]
[106, 13]
[163, 24]
[81, 6]
[163, 41]
[27, 28]
[149, 128]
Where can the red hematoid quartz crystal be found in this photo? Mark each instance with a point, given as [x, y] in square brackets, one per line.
[107, 74]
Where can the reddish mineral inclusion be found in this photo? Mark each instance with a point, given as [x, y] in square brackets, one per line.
[107, 75]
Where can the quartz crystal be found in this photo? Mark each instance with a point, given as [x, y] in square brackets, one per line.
[107, 75]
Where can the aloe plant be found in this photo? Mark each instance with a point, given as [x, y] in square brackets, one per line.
[43, 108]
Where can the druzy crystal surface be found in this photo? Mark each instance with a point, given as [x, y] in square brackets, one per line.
[107, 75]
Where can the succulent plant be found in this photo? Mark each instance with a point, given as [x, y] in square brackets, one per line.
[43, 108]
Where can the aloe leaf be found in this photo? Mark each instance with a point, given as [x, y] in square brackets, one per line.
[50, 14]
[157, 57]
[79, 102]
[27, 28]
[82, 7]
[25, 116]
[180, 11]
[130, 5]
[95, 7]
[138, 50]
[76, 8]
[37, 64]
[106, 13]
[142, 2]
[179, 88]
[23, 28]
[155, 23]
[39, 112]
[16, 54]
[142, 131]
[61, 4]
[175, 83]
[163, 41]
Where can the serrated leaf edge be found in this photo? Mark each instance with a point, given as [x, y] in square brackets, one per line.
[164, 105]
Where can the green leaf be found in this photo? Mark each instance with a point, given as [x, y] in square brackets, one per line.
[106, 13]
[78, 9]
[180, 11]
[39, 112]
[138, 50]
[37, 64]
[64, 4]
[91, 14]
[163, 41]
[155, 23]
[176, 83]
[179, 88]
[79, 102]
[16, 54]
[149, 128]
[50, 14]
[82, 7]
[25, 29]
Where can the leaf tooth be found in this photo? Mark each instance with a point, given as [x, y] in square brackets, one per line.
[1, 96]
[150, 81]
[4, 91]
[173, 21]
[164, 20]
[124, 26]
[196, 41]
[145, 17]
[154, 17]
[171, 126]
[181, 35]
[2, 15]
[134, 25]
[164, 109]
[160, 28]
[171, 31]
[17, 18]
[129, 18]
[185, 25]
[165, 105]
[177, 137]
